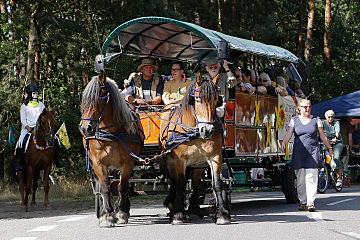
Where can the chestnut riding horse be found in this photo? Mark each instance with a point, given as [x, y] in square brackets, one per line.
[113, 138]
[192, 135]
[38, 156]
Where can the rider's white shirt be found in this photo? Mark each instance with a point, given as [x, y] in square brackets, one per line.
[29, 116]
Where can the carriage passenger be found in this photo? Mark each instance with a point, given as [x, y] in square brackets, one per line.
[29, 114]
[245, 84]
[176, 87]
[270, 89]
[226, 81]
[146, 88]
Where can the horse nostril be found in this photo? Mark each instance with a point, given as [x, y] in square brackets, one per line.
[89, 128]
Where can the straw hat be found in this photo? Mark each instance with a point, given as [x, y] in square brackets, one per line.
[147, 62]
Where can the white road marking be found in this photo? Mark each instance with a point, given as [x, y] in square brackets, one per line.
[317, 216]
[72, 219]
[345, 200]
[43, 228]
[24, 238]
[352, 234]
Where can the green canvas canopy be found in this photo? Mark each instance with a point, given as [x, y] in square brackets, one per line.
[161, 37]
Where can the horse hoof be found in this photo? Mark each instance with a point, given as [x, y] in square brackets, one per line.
[123, 218]
[178, 218]
[107, 220]
[222, 221]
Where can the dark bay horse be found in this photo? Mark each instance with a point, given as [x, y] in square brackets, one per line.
[112, 138]
[38, 156]
[195, 116]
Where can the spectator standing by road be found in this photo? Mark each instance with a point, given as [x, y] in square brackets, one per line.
[306, 153]
[346, 130]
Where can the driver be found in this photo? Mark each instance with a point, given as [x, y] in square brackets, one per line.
[145, 88]
[29, 113]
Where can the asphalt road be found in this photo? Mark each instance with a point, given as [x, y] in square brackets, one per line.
[258, 215]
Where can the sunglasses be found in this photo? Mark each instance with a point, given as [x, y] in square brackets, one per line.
[330, 117]
[263, 80]
[175, 69]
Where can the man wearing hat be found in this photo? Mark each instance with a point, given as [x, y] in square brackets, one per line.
[146, 88]
[226, 80]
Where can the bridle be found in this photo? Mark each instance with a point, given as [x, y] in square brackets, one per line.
[44, 135]
[107, 97]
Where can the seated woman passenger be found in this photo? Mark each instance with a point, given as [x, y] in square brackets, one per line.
[176, 87]
[271, 90]
[245, 84]
[254, 80]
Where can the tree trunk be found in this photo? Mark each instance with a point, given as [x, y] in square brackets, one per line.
[327, 37]
[219, 15]
[2, 6]
[300, 31]
[33, 38]
[309, 32]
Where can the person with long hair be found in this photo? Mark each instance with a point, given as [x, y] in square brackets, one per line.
[306, 152]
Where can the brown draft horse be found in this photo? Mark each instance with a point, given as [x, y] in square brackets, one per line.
[197, 111]
[39, 156]
[112, 136]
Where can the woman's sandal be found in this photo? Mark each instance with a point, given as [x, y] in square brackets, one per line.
[302, 207]
[311, 208]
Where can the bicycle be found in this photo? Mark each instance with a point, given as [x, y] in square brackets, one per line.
[327, 176]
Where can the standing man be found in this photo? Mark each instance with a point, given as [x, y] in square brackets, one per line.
[145, 88]
[226, 81]
[346, 130]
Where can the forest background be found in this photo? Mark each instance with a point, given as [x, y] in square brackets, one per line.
[51, 43]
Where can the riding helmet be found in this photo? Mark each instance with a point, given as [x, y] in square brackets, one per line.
[32, 88]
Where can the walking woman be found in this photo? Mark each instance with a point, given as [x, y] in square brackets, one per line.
[332, 132]
[306, 153]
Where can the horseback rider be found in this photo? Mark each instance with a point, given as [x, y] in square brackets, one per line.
[29, 114]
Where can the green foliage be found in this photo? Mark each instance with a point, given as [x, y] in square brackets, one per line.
[72, 31]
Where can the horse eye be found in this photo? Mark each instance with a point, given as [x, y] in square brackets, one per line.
[43, 123]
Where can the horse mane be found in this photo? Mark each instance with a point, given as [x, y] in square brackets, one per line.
[121, 111]
[208, 94]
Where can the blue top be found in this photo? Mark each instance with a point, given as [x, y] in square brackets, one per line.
[306, 153]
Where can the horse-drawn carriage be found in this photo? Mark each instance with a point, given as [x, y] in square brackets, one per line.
[249, 137]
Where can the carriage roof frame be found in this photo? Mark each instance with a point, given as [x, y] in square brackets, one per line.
[161, 37]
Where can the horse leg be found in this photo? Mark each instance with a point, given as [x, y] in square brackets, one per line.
[170, 199]
[194, 207]
[177, 176]
[222, 216]
[35, 186]
[122, 208]
[107, 217]
[47, 186]
[28, 184]
[20, 175]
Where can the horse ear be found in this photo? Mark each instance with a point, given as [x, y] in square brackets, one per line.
[44, 111]
[199, 78]
[86, 78]
[102, 78]
[54, 109]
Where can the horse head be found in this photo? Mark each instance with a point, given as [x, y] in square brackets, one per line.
[203, 99]
[46, 129]
[102, 106]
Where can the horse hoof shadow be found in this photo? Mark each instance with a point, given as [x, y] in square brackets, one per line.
[195, 217]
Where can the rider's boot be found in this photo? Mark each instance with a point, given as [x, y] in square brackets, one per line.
[18, 162]
[56, 158]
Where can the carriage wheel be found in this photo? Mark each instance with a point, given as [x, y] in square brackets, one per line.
[289, 185]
